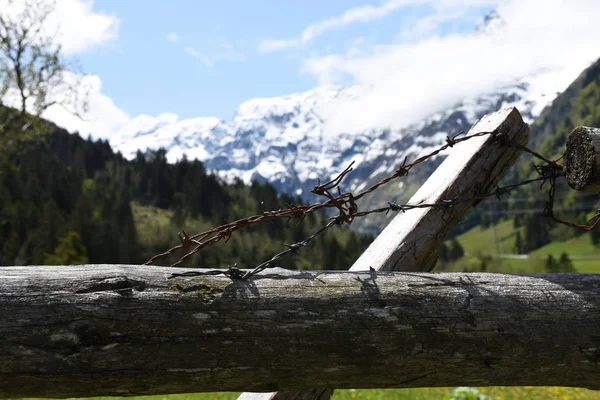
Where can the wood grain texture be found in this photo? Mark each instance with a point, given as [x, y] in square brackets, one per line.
[411, 241]
[582, 159]
[473, 168]
[109, 330]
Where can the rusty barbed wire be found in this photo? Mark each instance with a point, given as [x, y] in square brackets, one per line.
[549, 211]
[347, 208]
[235, 273]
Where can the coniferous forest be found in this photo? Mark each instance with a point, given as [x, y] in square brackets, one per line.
[68, 200]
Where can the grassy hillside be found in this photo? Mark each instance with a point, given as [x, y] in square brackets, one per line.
[494, 393]
[496, 245]
[520, 213]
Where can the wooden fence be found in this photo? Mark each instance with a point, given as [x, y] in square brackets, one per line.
[109, 330]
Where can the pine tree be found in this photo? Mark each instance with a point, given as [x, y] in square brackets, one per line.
[444, 252]
[122, 233]
[595, 236]
[69, 251]
[456, 250]
[10, 249]
[551, 264]
[565, 264]
[519, 244]
[44, 239]
[537, 233]
[178, 218]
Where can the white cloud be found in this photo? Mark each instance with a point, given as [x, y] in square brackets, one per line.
[225, 52]
[77, 28]
[405, 81]
[103, 118]
[75, 25]
[172, 37]
[358, 41]
[351, 16]
[427, 26]
[80, 28]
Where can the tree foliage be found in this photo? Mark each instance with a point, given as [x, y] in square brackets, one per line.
[34, 74]
[70, 251]
[563, 264]
[456, 250]
[72, 198]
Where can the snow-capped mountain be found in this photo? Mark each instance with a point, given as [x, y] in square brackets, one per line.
[283, 140]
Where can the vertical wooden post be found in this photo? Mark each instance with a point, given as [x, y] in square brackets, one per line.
[411, 240]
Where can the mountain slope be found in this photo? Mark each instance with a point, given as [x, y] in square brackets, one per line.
[522, 229]
[578, 105]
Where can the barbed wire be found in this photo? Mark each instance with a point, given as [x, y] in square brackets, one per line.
[549, 212]
[347, 208]
[236, 273]
[344, 202]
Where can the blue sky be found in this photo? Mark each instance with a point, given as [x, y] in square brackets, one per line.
[216, 61]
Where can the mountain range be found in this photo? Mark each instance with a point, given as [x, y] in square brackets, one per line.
[284, 141]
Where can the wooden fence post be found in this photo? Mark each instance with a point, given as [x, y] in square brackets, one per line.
[582, 159]
[411, 240]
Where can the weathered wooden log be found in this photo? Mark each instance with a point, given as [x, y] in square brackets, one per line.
[103, 330]
[582, 159]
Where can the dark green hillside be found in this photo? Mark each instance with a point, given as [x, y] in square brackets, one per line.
[71, 200]
[578, 105]
[514, 224]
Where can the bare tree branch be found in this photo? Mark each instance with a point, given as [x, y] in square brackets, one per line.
[34, 74]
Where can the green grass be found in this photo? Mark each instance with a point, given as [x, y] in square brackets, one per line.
[489, 240]
[578, 246]
[587, 266]
[154, 225]
[477, 242]
[496, 393]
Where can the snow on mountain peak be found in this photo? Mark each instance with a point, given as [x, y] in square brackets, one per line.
[144, 124]
[284, 140]
[285, 105]
[165, 131]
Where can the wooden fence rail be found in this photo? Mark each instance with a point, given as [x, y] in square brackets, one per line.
[100, 330]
